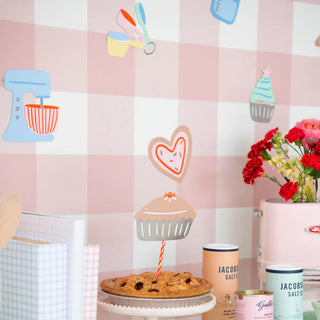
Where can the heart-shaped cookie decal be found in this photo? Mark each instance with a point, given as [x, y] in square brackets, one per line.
[172, 158]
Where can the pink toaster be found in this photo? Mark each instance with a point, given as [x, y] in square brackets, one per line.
[289, 234]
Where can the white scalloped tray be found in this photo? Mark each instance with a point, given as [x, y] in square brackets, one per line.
[205, 303]
[155, 302]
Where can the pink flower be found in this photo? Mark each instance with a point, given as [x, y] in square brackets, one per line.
[311, 129]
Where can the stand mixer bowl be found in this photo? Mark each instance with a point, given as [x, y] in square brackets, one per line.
[41, 120]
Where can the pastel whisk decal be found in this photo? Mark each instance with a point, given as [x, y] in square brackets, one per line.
[118, 43]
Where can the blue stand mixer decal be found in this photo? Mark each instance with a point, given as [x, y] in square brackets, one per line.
[20, 82]
[225, 10]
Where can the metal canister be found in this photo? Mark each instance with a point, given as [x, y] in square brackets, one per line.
[254, 305]
[286, 282]
[220, 267]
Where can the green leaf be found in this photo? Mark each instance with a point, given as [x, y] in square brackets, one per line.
[295, 198]
[309, 171]
[309, 195]
[288, 166]
[265, 155]
[312, 172]
[298, 143]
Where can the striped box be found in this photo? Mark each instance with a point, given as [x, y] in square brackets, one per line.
[91, 273]
[33, 280]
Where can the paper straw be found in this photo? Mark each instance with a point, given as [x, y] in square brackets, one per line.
[163, 244]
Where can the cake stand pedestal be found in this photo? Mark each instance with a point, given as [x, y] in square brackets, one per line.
[152, 313]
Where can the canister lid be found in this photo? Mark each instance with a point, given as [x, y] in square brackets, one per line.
[221, 247]
[252, 293]
[284, 268]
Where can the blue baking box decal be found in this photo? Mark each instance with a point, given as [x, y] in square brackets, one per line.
[225, 10]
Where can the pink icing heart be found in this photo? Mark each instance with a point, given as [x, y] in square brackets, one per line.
[172, 158]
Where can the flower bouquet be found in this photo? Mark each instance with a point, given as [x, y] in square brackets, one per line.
[300, 172]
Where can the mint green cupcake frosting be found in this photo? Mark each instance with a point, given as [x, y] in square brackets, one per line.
[263, 90]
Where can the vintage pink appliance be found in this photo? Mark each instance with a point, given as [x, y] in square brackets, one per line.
[289, 234]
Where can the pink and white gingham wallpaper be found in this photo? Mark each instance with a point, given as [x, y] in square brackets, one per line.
[201, 75]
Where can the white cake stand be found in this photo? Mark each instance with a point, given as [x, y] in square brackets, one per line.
[154, 313]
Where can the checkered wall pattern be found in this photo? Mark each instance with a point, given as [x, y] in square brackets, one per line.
[201, 75]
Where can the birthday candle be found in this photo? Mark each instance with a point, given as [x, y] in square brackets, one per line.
[163, 244]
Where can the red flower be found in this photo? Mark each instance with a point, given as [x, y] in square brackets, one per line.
[316, 150]
[258, 147]
[268, 145]
[288, 190]
[269, 135]
[253, 170]
[311, 161]
[294, 134]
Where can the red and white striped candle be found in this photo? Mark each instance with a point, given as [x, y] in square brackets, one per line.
[163, 244]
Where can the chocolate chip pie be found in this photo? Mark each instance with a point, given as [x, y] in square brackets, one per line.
[147, 285]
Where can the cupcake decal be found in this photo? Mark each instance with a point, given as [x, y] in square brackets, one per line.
[262, 99]
[168, 217]
[170, 196]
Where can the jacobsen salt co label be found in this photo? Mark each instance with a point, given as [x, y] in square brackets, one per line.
[221, 267]
[254, 305]
[286, 282]
[229, 272]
